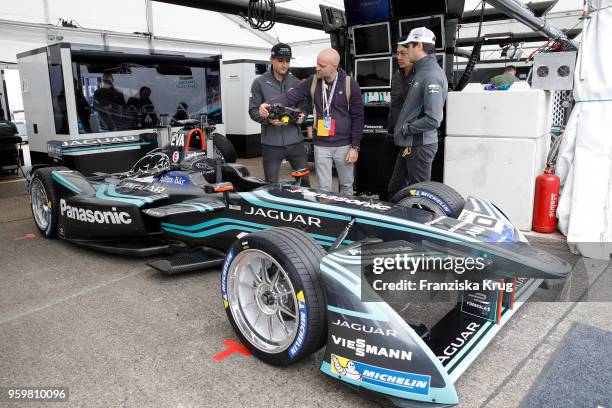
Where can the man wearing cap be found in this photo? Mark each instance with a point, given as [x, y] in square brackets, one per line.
[400, 83]
[338, 113]
[416, 130]
[279, 141]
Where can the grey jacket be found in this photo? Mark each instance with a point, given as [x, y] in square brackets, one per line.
[264, 89]
[423, 109]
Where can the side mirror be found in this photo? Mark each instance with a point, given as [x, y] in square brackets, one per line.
[218, 188]
[298, 174]
[224, 188]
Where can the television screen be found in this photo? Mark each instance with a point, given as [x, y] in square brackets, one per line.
[434, 23]
[373, 72]
[372, 39]
[404, 8]
[365, 11]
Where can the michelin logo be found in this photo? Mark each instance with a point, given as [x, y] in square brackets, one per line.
[94, 216]
[382, 377]
[298, 343]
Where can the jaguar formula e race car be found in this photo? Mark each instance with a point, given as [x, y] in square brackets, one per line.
[297, 263]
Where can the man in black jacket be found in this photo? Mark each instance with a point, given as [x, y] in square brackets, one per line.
[110, 104]
[400, 83]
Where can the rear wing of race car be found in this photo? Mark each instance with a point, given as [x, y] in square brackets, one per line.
[110, 154]
[380, 343]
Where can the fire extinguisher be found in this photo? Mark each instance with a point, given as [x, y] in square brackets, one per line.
[546, 201]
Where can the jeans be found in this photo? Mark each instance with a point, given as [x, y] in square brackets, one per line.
[273, 156]
[413, 168]
[324, 157]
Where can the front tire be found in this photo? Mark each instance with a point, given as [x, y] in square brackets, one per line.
[273, 296]
[431, 196]
[45, 202]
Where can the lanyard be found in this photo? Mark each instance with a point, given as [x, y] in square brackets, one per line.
[327, 103]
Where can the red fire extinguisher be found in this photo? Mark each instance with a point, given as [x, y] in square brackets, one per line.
[546, 201]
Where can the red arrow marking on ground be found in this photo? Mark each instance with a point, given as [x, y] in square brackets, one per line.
[232, 347]
[26, 236]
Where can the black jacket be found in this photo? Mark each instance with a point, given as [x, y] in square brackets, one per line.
[400, 82]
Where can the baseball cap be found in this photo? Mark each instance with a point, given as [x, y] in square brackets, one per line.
[419, 35]
[281, 50]
[403, 40]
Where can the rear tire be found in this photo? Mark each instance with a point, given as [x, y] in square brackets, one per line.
[225, 148]
[432, 196]
[44, 201]
[278, 329]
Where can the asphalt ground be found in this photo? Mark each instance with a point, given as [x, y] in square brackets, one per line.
[120, 334]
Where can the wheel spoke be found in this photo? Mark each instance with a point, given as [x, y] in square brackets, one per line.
[275, 278]
[257, 319]
[282, 322]
[257, 277]
[270, 327]
[287, 293]
[264, 272]
[286, 311]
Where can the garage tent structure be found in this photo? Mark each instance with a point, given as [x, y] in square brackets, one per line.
[585, 159]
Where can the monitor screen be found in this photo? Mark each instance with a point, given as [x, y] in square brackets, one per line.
[404, 8]
[373, 72]
[434, 23]
[365, 11]
[372, 39]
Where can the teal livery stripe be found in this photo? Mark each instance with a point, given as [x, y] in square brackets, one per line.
[55, 175]
[368, 217]
[216, 221]
[113, 193]
[84, 149]
[101, 194]
[212, 231]
[264, 199]
[200, 231]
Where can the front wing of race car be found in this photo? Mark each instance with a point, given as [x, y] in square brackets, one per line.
[384, 348]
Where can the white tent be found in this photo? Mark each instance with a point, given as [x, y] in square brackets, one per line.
[30, 24]
[585, 158]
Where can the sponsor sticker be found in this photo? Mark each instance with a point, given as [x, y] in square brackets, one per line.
[361, 347]
[300, 339]
[369, 374]
[111, 216]
[175, 179]
[284, 216]
[434, 198]
[364, 328]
